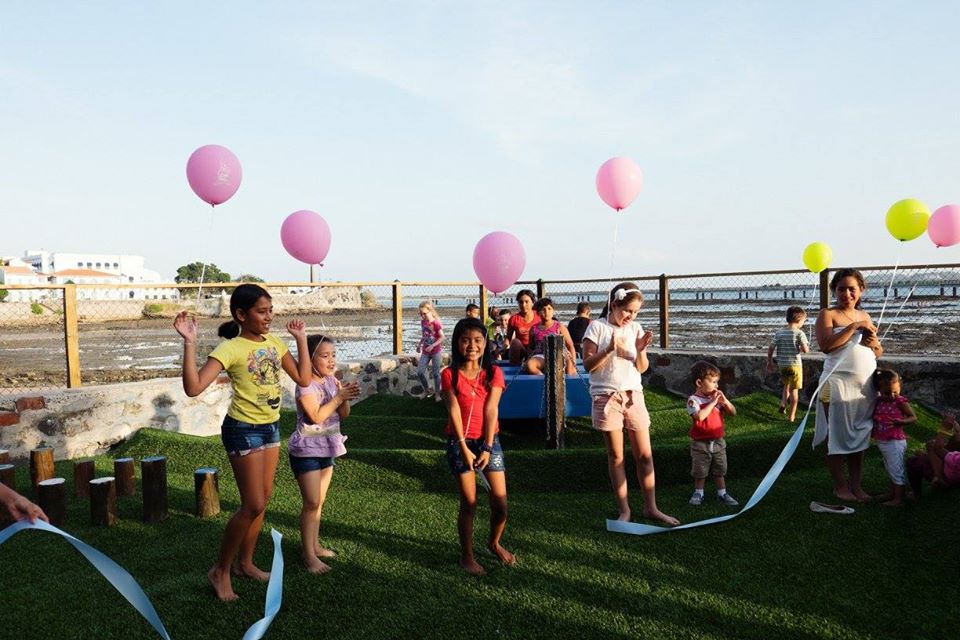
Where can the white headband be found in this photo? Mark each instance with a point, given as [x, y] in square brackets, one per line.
[622, 293]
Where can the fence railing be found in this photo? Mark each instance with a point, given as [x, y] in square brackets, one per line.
[54, 336]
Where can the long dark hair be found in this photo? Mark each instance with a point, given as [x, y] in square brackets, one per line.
[456, 358]
[244, 298]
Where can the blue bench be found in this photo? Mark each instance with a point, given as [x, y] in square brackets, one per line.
[523, 397]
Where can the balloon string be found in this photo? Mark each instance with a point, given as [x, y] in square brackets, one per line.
[902, 305]
[889, 289]
[203, 267]
[613, 255]
[816, 306]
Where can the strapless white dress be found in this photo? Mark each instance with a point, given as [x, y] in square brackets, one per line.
[852, 397]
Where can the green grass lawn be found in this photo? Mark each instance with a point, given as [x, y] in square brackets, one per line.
[778, 571]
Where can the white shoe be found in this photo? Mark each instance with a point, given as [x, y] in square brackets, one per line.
[839, 509]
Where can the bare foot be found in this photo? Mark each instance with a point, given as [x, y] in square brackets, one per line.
[250, 571]
[862, 496]
[624, 516]
[220, 581]
[323, 552]
[781, 409]
[505, 556]
[893, 503]
[314, 565]
[845, 495]
[656, 514]
[472, 567]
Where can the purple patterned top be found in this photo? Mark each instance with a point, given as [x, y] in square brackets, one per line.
[317, 440]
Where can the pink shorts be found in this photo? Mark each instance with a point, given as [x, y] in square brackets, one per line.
[951, 467]
[620, 410]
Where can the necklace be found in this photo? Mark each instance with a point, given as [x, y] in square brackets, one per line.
[474, 384]
[852, 320]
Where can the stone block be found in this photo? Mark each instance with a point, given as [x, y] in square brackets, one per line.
[8, 418]
[32, 403]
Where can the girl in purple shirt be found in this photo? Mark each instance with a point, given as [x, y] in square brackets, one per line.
[317, 442]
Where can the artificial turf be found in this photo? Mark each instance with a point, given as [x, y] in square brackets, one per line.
[780, 570]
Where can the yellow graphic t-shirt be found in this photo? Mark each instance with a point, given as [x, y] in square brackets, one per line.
[254, 368]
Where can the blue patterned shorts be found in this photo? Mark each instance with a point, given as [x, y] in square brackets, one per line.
[455, 457]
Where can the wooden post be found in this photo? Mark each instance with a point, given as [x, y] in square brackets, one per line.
[397, 317]
[8, 476]
[83, 473]
[153, 472]
[541, 289]
[825, 288]
[664, 311]
[124, 474]
[103, 502]
[52, 499]
[41, 466]
[71, 335]
[555, 390]
[4, 456]
[206, 488]
[484, 305]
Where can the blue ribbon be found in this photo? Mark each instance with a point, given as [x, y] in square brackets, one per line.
[114, 573]
[129, 589]
[274, 593]
[789, 449]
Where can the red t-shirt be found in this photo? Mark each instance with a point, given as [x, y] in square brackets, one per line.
[711, 427]
[471, 396]
[522, 327]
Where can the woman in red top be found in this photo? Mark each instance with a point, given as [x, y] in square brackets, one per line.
[518, 331]
[471, 387]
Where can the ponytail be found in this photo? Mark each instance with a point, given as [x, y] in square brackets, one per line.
[229, 329]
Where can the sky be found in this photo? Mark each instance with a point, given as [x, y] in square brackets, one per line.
[415, 128]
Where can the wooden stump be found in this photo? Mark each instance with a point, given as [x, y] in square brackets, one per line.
[51, 497]
[125, 476]
[103, 502]
[206, 488]
[555, 390]
[153, 472]
[4, 456]
[8, 475]
[83, 473]
[41, 466]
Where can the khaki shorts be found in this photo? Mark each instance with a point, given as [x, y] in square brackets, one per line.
[825, 393]
[620, 410]
[792, 376]
[709, 458]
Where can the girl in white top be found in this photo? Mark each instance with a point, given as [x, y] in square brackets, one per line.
[614, 353]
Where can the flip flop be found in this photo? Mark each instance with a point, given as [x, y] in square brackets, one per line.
[781, 409]
[839, 509]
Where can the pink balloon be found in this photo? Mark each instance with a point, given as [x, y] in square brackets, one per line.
[498, 260]
[306, 236]
[619, 181]
[944, 226]
[214, 173]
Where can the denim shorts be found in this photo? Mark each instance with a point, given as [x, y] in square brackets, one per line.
[455, 457]
[242, 438]
[301, 466]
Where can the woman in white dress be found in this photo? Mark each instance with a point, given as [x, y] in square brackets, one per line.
[848, 337]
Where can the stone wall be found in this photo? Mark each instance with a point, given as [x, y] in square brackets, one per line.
[90, 420]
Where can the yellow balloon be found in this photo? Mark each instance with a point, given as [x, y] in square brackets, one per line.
[907, 219]
[817, 256]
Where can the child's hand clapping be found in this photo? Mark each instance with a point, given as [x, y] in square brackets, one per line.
[644, 341]
[186, 326]
[297, 328]
[348, 391]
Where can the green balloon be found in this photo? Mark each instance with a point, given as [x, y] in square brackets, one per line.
[907, 219]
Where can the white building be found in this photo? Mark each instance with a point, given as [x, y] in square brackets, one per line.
[88, 269]
[16, 271]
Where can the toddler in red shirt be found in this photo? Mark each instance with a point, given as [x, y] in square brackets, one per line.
[708, 449]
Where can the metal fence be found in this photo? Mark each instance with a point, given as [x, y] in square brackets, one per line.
[55, 336]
